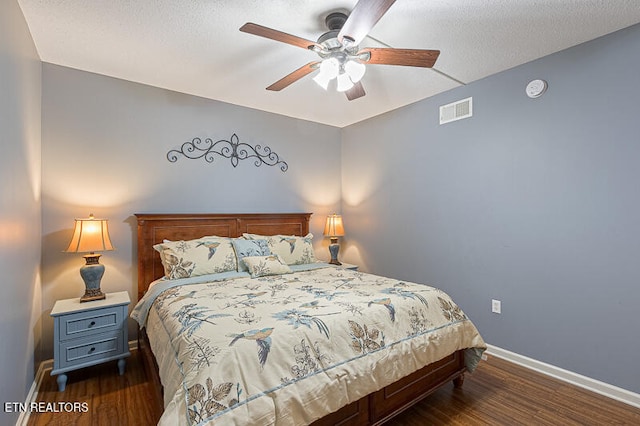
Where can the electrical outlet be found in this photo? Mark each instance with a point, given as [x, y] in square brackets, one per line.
[496, 306]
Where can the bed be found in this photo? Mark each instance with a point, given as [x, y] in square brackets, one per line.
[311, 344]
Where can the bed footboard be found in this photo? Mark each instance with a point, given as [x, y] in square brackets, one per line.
[380, 406]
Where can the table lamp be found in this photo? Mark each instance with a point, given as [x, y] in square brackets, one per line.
[91, 235]
[334, 229]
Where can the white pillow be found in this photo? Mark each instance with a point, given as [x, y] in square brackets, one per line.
[260, 266]
[202, 256]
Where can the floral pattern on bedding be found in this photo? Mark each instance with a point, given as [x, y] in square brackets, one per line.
[206, 402]
[269, 348]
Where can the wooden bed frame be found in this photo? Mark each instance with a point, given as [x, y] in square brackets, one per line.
[372, 409]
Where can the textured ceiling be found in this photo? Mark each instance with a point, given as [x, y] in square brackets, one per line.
[195, 47]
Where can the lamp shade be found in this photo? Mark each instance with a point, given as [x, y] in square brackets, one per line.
[334, 227]
[90, 235]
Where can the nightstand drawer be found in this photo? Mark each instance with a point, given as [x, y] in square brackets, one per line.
[90, 333]
[86, 323]
[87, 350]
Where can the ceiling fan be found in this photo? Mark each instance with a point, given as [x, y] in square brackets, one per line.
[340, 56]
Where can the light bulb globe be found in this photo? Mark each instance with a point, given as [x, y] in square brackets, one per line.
[355, 70]
[344, 82]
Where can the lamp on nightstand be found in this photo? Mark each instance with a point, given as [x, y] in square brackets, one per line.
[91, 235]
[334, 229]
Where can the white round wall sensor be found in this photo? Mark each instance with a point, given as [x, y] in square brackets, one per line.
[536, 88]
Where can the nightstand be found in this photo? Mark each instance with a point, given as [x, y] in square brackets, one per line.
[347, 266]
[89, 333]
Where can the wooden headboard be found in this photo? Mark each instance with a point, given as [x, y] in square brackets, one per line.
[154, 228]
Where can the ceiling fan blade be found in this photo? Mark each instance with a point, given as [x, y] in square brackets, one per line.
[406, 57]
[276, 35]
[357, 91]
[294, 76]
[363, 17]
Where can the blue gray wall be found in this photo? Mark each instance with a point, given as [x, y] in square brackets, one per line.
[535, 202]
[104, 149]
[20, 79]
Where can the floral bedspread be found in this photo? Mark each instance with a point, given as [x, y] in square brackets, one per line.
[289, 349]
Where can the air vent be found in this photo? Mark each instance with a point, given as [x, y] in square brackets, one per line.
[456, 111]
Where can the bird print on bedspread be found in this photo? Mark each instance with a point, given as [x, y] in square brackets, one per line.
[262, 339]
[407, 294]
[386, 302]
[314, 304]
[296, 318]
[189, 295]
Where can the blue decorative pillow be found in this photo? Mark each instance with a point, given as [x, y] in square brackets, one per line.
[246, 248]
[292, 249]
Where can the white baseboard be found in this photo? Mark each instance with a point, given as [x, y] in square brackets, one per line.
[23, 419]
[584, 382]
[47, 365]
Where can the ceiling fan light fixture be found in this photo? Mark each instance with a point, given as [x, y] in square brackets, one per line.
[344, 82]
[329, 69]
[339, 50]
[322, 80]
[355, 70]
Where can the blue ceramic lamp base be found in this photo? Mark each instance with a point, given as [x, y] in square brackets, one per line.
[91, 273]
[334, 248]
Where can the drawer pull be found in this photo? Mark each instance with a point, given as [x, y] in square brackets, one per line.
[92, 349]
[92, 323]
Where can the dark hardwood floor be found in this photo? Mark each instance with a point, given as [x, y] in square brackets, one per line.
[112, 399]
[498, 393]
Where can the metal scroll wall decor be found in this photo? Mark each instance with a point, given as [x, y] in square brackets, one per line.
[233, 149]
